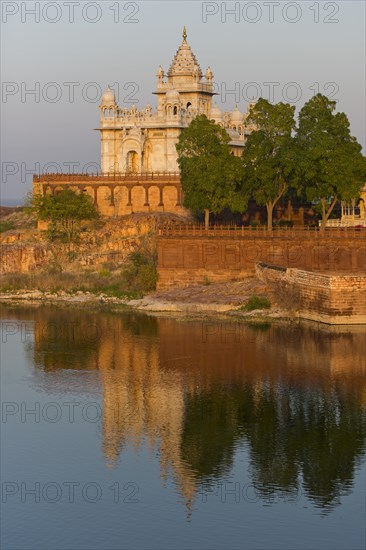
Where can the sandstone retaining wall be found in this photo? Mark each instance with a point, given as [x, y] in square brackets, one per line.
[328, 298]
[193, 259]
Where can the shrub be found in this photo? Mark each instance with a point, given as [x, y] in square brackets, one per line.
[65, 211]
[141, 273]
[206, 281]
[256, 302]
[6, 226]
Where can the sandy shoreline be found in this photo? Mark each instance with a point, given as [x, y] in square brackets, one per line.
[156, 303]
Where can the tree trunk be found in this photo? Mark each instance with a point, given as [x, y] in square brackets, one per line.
[269, 206]
[207, 218]
[326, 213]
[324, 217]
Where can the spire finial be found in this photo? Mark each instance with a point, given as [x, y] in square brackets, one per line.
[184, 34]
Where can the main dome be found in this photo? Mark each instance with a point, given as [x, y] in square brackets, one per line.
[185, 62]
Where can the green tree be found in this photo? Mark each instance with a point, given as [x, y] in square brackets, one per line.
[330, 160]
[64, 211]
[210, 173]
[269, 158]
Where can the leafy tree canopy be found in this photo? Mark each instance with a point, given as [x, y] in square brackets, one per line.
[269, 158]
[331, 164]
[210, 174]
[64, 210]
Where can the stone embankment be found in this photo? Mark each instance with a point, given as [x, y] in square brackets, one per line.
[325, 297]
[294, 294]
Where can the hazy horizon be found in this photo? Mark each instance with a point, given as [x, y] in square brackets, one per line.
[277, 50]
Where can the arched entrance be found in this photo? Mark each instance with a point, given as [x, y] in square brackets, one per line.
[132, 161]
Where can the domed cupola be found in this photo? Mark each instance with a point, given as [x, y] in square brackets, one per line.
[108, 98]
[216, 114]
[236, 115]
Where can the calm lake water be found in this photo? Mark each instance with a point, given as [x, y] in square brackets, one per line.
[121, 430]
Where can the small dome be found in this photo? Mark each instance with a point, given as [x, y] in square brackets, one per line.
[216, 113]
[236, 115]
[172, 95]
[108, 98]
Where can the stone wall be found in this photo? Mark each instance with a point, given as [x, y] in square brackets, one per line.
[227, 255]
[120, 195]
[328, 298]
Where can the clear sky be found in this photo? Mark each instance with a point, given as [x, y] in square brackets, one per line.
[69, 51]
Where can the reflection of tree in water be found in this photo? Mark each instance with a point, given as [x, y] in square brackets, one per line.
[71, 340]
[304, 426]
[333, 440]
[140, 324]
[309, 433]
[209, 432]
[64, 341]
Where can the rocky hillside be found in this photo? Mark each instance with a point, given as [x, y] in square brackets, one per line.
[102, 244]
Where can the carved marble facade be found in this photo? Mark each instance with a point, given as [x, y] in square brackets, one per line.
[139, 169]
[144, 141]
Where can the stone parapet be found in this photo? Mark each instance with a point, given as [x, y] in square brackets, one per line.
[120, 194]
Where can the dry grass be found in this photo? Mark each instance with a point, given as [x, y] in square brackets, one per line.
[138, 276]
[96, 283]
[16, 218]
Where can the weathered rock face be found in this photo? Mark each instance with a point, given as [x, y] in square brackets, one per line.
[20, 258]
[328, 298]
[29, 250]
